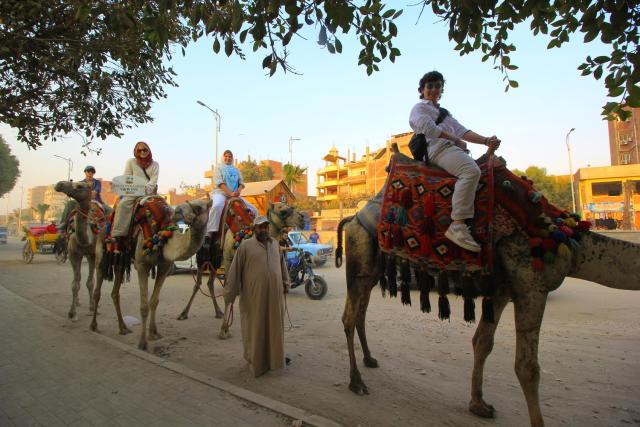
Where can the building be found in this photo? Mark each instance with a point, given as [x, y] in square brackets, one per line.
[36, 196]
[56, 202]
[349, 179]
[261, 193]
[190, 193]
[624, 144]
[610, 193]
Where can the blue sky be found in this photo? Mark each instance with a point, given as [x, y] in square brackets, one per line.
[334, 102]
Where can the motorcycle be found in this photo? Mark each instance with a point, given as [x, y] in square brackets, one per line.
[301, 273]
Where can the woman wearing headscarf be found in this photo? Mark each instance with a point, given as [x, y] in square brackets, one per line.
[227, 183]
[142, 165]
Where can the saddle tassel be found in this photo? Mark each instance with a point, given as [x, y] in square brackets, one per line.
[444, 309]
[425, 284]
[469, 293]
[391, 273]
[405, 277]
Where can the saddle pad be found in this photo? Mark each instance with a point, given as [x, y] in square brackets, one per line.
[416, 212]
[236, 216]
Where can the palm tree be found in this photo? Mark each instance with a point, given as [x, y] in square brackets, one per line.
[42, 209]
[293, 174]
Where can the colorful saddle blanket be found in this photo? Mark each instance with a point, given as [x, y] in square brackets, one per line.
[96, 217]
[237, 218]
[154, 217]
[416, 209]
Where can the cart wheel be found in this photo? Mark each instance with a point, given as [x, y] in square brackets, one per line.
[27, 254]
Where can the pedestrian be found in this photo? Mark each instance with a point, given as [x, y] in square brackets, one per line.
[446, 147]
[259, 276]
[314, 237]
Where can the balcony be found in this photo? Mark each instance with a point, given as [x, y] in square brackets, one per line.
[327, 198]
[354, 179]
[327, 169]
[329, 183]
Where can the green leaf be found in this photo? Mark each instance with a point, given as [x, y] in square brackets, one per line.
[601, 59]
[216, 45]
[514, 84]
[330, 48]
[338, 46]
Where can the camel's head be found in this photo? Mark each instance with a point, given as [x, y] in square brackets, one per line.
[283, 215]
[194, 213]
[79, 191]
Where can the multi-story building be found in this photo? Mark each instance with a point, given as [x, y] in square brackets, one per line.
[36, 195]
[624, 143]
[349, 178]
[56, 202]
[610, 193]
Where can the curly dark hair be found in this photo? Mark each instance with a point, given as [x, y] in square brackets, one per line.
[431, 76]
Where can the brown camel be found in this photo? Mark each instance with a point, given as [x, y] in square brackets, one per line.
[606, 261]
[280, 215]
[83, 241]
[179, 246]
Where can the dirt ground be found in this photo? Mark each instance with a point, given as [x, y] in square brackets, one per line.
[589, 350]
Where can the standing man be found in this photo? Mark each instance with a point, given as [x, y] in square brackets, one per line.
[314, 237]
[259, 276]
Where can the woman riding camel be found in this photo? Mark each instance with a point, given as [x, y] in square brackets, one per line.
[143, 166]
[227, 183]
[446, 148]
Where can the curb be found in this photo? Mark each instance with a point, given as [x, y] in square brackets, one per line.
[278, 407]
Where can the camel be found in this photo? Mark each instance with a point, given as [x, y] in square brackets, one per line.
[82, 241]
[603, 260]
[280, 215]
[179, 246]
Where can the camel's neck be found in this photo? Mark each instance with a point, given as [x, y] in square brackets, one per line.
[183, 245]
[610, 262]
[81, 223]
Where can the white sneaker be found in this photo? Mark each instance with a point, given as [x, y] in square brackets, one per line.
[461, 236]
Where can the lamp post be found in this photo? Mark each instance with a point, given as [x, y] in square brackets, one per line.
[217, 128]
[69, 164]
[291, 139]
[573, 197]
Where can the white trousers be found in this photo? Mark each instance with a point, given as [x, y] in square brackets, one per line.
[454, 160]
[216, 210]
[122, 218]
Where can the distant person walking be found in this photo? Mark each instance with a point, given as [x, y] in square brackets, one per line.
[259, 276]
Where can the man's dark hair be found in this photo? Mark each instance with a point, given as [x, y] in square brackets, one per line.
[431, 76]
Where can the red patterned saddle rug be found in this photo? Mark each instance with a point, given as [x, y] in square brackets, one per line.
[416, 209]
[154, 217]
[237, 218]
[96, 217]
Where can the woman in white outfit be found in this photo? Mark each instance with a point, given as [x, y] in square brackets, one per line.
[446, 148]
[143, 166]
[227, 183]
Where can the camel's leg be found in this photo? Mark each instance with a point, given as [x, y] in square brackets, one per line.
[76, 265]
[210, 284]
[161, 275]
[143, 283]
[368, 360]
[185, 313]
[91, 259]
[115, 296]
[355, 307]
[96, 298]
[529, 309]
[482, 346]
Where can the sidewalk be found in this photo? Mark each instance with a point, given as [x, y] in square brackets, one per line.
[53, 376]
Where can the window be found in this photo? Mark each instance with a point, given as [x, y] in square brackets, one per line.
[613, 188]
[625, 158]
[624, 139]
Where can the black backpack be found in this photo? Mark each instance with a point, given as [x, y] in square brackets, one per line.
[418, 143]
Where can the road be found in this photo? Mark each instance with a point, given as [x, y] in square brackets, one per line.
[588, 351]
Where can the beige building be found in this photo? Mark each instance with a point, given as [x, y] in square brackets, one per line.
[56, 202]
[624, 143]
[36, 195]
[349, 178]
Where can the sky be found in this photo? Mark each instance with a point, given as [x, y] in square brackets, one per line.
[333, 102]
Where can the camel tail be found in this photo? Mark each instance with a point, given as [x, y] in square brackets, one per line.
[339, 248]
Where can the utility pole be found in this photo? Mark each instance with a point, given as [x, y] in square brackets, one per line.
[291, 139]
[573, 196]
[69, 165]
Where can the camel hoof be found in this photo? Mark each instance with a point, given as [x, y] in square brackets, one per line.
[482, 409]
[154, 336]
[358, 387]
[125, 331]
[219, 315]
[142, 346]
[94, 327]
[370, 362]
[183, 316]
[73, 317]
[223, 335]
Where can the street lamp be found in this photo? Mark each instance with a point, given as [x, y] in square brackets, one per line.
[217, 129]
[291, 139]
[69, 163]
[573, 197]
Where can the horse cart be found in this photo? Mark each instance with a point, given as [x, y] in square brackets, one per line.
[42, 241]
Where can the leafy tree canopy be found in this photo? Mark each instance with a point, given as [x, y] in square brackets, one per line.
[9, 168]
[557, 189]
[253, 171]
[94, 66]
